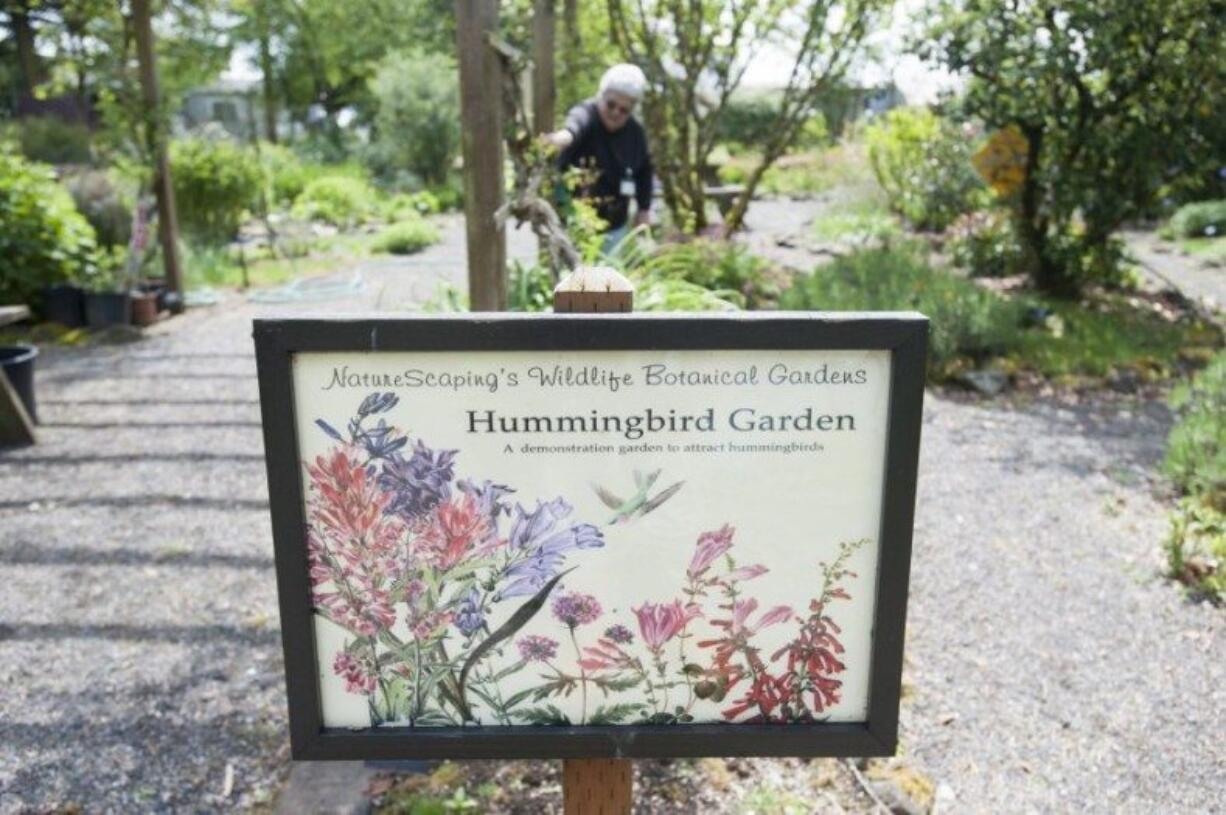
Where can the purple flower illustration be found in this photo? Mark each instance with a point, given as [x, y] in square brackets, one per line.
[542, 546]
[575, 609]
[489, 496]
[420, 482]
[534, 648]
[469, 618]
[619, 634]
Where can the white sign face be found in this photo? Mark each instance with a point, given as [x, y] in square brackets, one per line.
[605, 537]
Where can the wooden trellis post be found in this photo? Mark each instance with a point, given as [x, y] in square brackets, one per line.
[481, 136]
[595, 786]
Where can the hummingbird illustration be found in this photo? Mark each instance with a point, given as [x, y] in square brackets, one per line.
[639, 504]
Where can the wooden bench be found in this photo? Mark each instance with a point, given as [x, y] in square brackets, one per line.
[16, 426]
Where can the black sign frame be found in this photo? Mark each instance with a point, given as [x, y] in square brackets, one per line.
[903, 334]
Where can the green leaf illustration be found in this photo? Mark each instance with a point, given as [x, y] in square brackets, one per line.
[508, 629]
[615, 714]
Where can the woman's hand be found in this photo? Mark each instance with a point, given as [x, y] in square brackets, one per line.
[558, 139]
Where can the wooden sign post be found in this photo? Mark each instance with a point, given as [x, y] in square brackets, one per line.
[595, 786]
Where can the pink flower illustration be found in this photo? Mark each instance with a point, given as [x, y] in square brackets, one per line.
[456, 530]
[660, 622]
[534, 648]
[356, 673]
[575, 609]
[748, 572]
[742, 610]
[710, 546]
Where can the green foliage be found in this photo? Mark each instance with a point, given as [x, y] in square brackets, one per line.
[99, 198]
[411, 205]
[1196, 547]
[984, 244]
[44, 240]
[863, 222]
[406, 237]
[216, 181]
[530, 289]
[1196, 446]
[924, 165]
[1097, 338]
[747, 121]
[966, 320]
[340, 200]
[1203, 219]
[53, 141]
[417, 126]
[284, 173]
[1109, 96]
[726, 269]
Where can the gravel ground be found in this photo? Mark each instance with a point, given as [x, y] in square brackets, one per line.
[1049, 667]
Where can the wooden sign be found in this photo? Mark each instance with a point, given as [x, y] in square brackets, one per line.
[503, 536]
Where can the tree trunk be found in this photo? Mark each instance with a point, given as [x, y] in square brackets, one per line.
[481, 114]
[267, 79]
[27, 56]
[168, 226]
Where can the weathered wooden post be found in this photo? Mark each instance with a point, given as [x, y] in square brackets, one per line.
[481, 136]
[544, 84]
[168, 224]
[595, 786]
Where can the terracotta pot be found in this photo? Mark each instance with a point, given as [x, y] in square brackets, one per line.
[144, 308]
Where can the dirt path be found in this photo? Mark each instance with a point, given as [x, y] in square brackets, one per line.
[1050, 668]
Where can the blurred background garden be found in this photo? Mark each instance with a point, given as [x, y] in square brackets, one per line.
[1046, 181]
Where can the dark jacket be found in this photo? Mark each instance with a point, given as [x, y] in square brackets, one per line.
[611, 153]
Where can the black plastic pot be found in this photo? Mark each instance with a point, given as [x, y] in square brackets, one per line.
[104, 309]
[64, 305]
[17, 362]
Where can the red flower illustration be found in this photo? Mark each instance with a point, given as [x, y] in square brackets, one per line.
[456, 529]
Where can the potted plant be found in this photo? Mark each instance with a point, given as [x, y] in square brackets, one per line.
[64, 303]
[108, 300]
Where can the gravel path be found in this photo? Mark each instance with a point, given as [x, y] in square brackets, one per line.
[1197, 280]
[1049, 667]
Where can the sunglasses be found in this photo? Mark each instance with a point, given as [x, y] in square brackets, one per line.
[618, 108]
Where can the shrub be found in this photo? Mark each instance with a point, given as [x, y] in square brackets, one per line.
[1196, 446]
[99, 199]
[284, 173]
[965, 319]
[984, 244]
[342, 201]
[923, 164]
[746, 121]
[406, 237]
[215, 182]
[44, 240]
[417, 127]
[1202, 220]
[411, 205]
[53, 141]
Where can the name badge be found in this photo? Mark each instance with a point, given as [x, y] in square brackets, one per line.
[627, 187]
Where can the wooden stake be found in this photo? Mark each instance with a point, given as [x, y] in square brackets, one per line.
[481, 135]
[595, 786]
